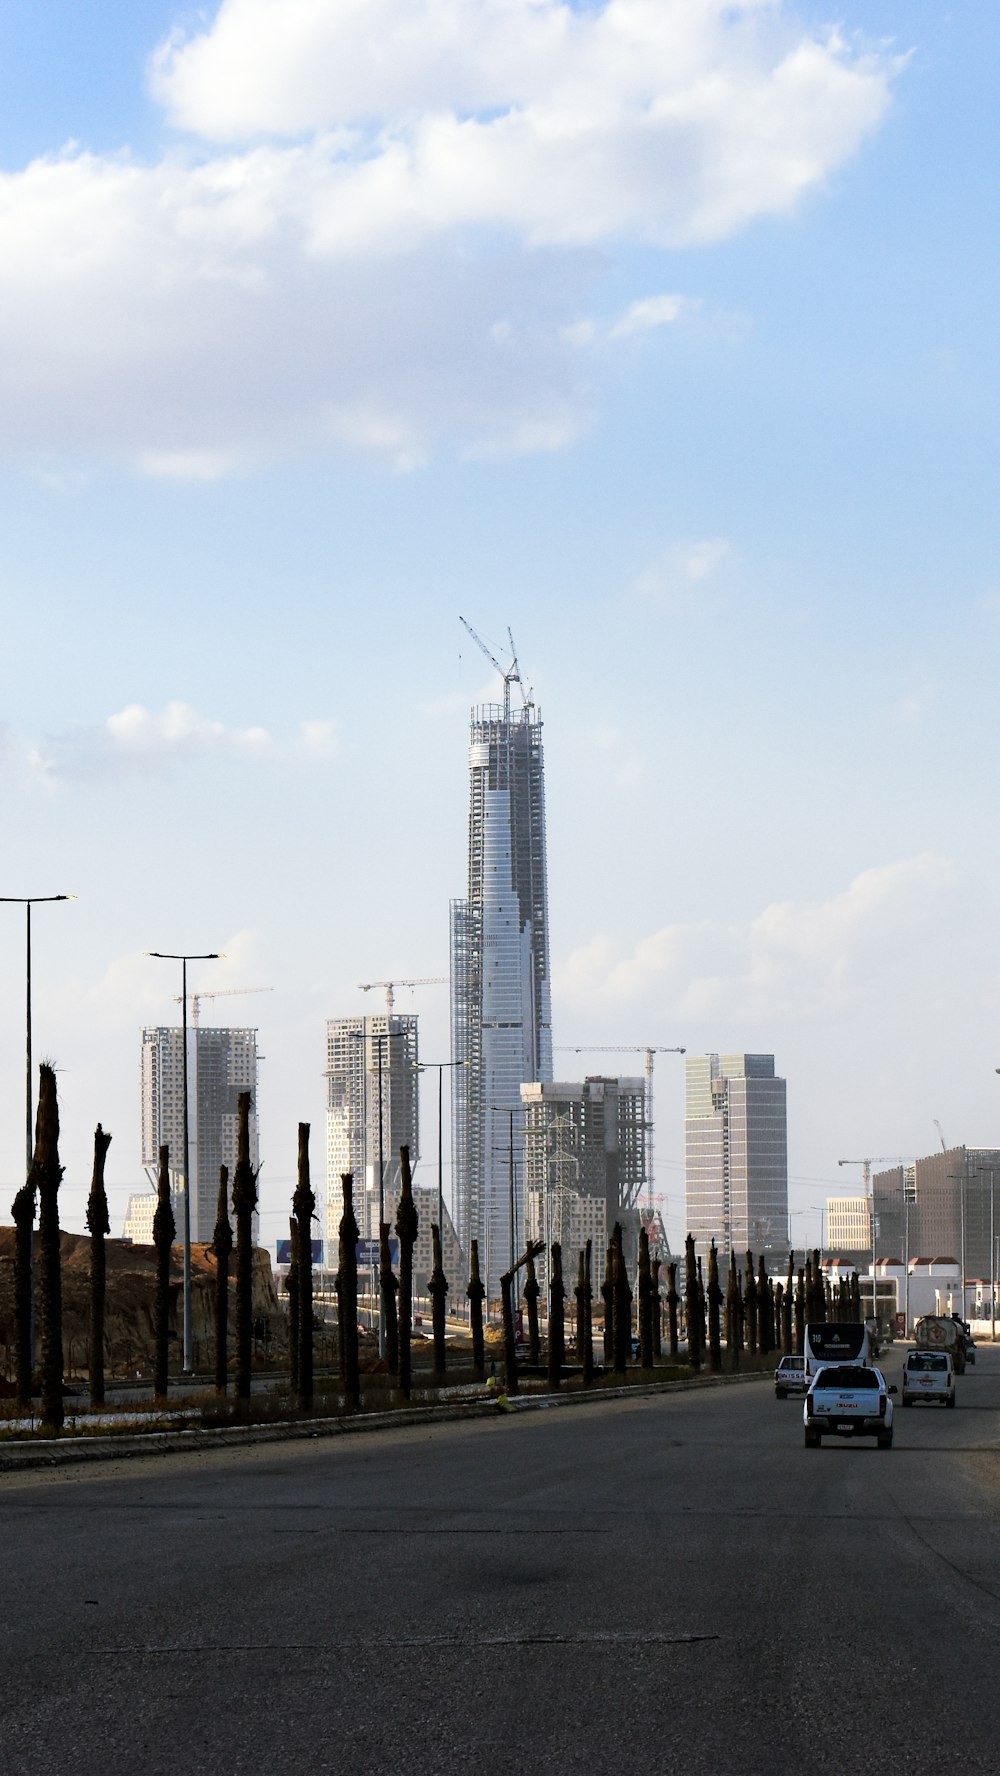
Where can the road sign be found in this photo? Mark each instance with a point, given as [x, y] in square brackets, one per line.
[368, 1253]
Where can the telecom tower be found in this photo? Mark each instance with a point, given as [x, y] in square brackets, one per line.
[500, 1004]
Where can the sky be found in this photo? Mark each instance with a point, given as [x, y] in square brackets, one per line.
[662, 332]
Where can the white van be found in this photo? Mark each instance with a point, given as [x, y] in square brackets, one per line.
[928, 1375]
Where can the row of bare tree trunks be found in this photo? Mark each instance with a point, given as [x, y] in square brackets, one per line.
[754, 1315]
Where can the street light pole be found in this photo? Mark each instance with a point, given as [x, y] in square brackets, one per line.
[28, 901]
[184, 959]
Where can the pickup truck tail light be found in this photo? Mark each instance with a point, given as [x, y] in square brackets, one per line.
[881, 1405]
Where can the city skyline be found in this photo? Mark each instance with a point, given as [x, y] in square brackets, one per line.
[285, 392]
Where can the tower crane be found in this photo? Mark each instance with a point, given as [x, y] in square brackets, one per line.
[195, 999]
[427, 980]
[879, 1159]
[940, 1130]
[510, 675]
[644, 1048]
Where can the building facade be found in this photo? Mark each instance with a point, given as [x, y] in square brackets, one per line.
[500, 996]
[584, 1163]
[371, 1099]
[222, 1063]
[848, 1224]
[943, 1206]
[736, 1152]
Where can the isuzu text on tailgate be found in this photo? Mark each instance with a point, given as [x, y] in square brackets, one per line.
[848, 1401]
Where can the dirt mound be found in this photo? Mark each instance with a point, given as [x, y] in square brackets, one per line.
[131, 1289]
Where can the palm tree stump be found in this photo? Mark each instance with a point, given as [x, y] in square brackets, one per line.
[557, 1322]
[244, 1204]
[98, 1226]
[531, 1294]
[406, 1229]
[48, 1176]
[692, 1309]
[388, 1290]
[645, 1301]
[347, 1295]
[164, 1229]
[714, 1311]
[437, 1284]
[475, 1291]
[673, 1303]
[304, 1205]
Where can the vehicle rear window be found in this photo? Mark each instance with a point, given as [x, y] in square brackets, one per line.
[855, 1377]
[926, 1360]
[792, 1363]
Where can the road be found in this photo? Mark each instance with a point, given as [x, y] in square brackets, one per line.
[664, 1584]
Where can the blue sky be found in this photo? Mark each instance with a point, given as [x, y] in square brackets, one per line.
[302, 354]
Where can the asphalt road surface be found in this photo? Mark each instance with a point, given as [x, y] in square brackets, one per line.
[652, 1585]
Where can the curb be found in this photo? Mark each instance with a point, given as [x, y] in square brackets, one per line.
[55, 1452]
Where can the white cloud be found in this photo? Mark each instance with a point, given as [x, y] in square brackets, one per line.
[137, 737]
[177, 726]
[649, 312]
[793, 959]
[396, 177]
[671, 580]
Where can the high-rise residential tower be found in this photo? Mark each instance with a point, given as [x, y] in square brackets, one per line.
[585, 1164]
[500, 1007]
[736, 1152]
[221, 1064]
[361, 1052]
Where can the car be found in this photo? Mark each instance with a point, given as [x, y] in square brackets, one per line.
[848, 1400]
[928, 1375]
[790, 1377]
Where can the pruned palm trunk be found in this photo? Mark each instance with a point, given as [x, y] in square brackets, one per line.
[292, 1285]
[714, 1311]
[765, 1309]
[531, 1294]
[692, 1312]
[608, 1297]
[673, 1302]
[656, 1309]
[406, 1229]
[557, 1322]
[388, 1290]
[347, 1276]
[222, 1246]
[23, 1211]
[475, 1291]
[733, 1314]
[98, 1226]
[164, 1229]
[645, 1301]
[304, 1204]
[800, 1314]
[437, 1284]
[585, 1315]
[622, 1303]
[750, 1305]
[244, 1204]
[48, 1174]
[786, 1311]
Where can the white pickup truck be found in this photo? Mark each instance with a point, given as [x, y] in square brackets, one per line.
[845, 1400]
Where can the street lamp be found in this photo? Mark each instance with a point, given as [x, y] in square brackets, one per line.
[184, 959]
[28, 901]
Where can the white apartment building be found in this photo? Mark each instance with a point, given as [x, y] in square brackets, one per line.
[736, 1152]
[372, 1105]
[222, 1063]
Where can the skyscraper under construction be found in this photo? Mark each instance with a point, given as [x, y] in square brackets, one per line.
[500, 1004]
